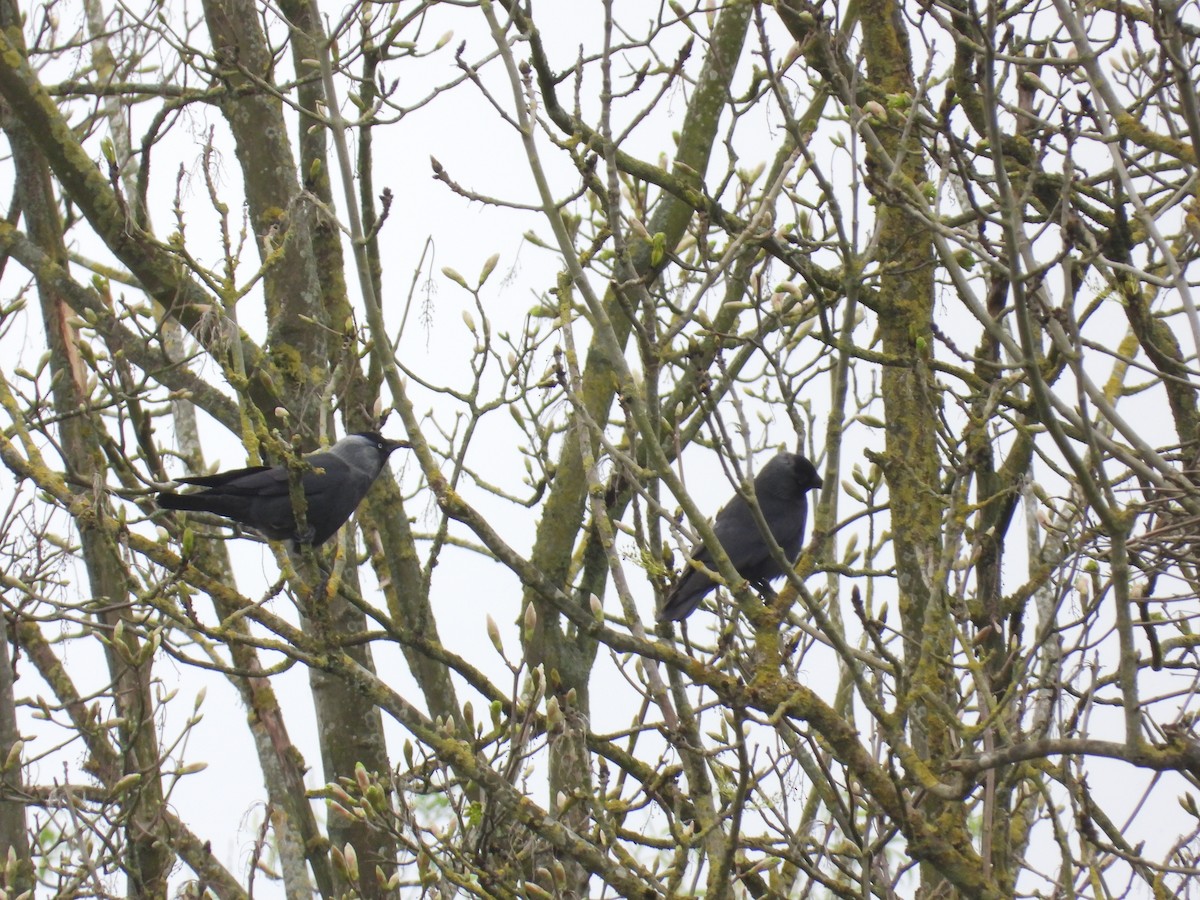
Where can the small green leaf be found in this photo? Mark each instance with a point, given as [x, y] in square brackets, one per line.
[658, 246]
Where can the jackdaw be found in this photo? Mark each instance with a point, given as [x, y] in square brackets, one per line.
[781, 490]
[259, 495]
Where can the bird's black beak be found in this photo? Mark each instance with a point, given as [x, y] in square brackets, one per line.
[389, 446]
[819, 483]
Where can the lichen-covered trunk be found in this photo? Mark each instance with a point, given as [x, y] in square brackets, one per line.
[17, 876]
[148, 861]
[567, 655]
[911, 462]
[394, 558]
[350, 728]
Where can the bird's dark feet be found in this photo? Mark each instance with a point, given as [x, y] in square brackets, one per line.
[765, 590]
[305, 537]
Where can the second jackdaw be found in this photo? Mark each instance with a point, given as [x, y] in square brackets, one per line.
[781, 489]
[258, 496]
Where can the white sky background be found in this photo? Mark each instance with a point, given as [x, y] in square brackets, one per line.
[463, 131]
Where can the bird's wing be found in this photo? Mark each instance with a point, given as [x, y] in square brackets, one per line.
[738, 533]
[793, 550]
[730, 527]
[272, 481]
[333, 496]
[223, 478]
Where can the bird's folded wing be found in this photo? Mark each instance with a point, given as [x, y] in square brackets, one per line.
[738, 533]
[270, 481]
[223, 478]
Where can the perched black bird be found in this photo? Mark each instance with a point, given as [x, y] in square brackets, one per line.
[780, 489]
[258, 496]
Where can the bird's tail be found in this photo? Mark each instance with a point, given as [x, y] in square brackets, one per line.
[683, 599]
